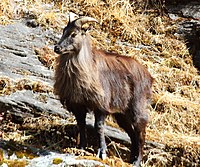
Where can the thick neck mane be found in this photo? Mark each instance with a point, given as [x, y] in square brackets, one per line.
[77, 76]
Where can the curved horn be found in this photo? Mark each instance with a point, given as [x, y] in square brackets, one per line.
[72, 17]
[81, 21]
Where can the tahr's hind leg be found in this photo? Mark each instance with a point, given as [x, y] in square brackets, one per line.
[99, 126]
[136, 132]
[138, 141]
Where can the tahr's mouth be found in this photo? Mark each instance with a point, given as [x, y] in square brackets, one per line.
[60, 50]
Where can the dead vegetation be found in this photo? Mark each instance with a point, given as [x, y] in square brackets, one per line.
[8, 86]
[127, 27]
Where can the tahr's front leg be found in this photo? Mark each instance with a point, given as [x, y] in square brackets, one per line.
[80, 115]
[99, 126]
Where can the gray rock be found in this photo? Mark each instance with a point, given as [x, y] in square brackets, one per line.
[189, 28]
[67, 161]
[17, 53]
[19, 61]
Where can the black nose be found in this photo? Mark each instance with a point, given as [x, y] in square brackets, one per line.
[57, 49]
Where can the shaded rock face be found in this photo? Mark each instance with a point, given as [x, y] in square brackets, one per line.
[192, 36]
[17, 51]
[190, 26]
[19, 65]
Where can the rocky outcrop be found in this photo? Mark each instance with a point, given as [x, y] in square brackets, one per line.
[188, 12]
[23, 77]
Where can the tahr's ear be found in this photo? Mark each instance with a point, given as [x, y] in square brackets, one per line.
[72, 17]
[85, 29]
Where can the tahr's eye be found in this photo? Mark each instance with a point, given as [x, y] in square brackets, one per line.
[73, 35]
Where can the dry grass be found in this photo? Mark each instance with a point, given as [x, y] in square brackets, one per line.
[8, 86]
[148, 37]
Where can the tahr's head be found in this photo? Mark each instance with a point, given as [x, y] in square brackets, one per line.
[73, 35]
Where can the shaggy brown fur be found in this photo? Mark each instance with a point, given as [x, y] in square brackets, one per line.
[101, 79]
[106, 83]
